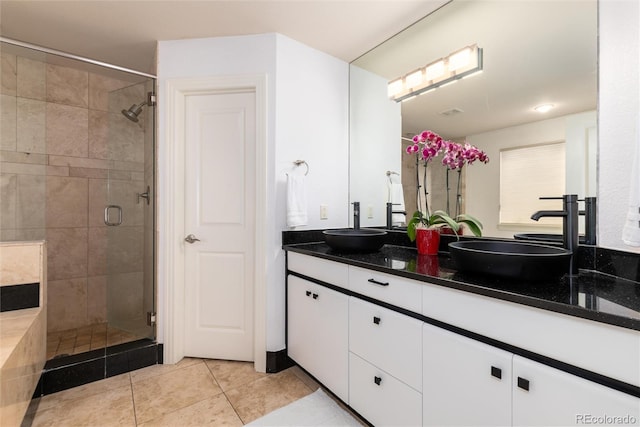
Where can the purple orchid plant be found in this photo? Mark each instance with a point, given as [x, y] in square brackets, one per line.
[427, 145]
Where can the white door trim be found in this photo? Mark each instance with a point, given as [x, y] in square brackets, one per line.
[172, 208]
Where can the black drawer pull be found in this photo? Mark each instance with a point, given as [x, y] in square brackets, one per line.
[315, 296]
[376, 320]
[378, 283]
[496, 372]
[377, 380]
[308, 293]
[523, 384]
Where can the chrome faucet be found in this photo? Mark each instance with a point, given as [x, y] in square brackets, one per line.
[569, 214]
[356, 215]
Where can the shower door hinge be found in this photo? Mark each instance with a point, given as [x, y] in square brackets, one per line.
[151, 99]
[151, 318]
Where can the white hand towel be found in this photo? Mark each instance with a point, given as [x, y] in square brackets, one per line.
[396, 196]
[296, 200]
[631, 229]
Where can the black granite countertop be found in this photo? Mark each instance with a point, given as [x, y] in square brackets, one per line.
[591, 295]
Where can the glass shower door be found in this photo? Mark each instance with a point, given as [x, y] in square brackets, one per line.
[129, 215]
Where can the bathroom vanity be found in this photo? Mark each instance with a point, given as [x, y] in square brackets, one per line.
[405, 339]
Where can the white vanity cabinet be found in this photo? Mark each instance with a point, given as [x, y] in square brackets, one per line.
[318, 333]
[385, 364]
[365, 336]
[544, 396]
[498, 388]
[465, 382]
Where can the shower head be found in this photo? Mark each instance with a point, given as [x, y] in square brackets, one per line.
[134, 111]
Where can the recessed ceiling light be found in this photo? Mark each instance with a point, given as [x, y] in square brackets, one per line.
[543, 108]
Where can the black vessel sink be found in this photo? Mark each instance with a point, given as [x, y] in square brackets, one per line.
[543, 237]
[516, 260]
[352, 240]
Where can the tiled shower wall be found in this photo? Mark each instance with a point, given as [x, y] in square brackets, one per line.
[60, 141]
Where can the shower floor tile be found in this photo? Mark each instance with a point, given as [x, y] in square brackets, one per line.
[86, 338]
[193, 392]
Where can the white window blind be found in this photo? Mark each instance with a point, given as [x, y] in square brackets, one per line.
[526, 174]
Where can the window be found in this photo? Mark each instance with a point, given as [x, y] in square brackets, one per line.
[526, 174]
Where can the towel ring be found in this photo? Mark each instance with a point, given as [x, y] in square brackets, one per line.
[302, 162]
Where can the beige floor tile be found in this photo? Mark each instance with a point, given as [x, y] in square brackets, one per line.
[162, 394]
[230, 374]
[216, 411]
[81, 348]
[152, 371]
[305, 378]
[111, 408]
[258, 398]
[69, 333]
[83, 391]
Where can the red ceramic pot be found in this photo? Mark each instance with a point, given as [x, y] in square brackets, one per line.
[449, 230]
[428, 264]
[427, 241]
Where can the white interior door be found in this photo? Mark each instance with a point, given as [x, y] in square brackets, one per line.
[220, 194]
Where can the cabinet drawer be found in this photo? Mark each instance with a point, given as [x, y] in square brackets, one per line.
[394, 290]
[327, 271]
[380, 398]
[389, 340]
[556, 335]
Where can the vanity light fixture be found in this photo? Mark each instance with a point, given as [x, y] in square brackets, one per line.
[458, 65]
[544, 108]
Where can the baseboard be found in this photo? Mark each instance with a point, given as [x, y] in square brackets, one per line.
[75, 370]
[278, 361]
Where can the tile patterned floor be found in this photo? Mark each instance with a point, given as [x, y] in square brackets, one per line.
[79, 340]
[194, 392]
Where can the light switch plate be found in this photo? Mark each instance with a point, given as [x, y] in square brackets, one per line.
[324, 212]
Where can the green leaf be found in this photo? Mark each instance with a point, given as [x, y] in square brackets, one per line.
[473, 223]
[441, 217]
[416, 219]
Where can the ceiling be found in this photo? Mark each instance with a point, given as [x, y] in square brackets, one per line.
[125, 33]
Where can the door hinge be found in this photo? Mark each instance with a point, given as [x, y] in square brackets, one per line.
[151, 318]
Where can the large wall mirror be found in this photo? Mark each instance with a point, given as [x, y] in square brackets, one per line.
[534, 53]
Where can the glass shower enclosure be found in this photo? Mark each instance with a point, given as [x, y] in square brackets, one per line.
[77, 169]
[129, 213]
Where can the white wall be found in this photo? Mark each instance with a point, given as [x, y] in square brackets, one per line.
[376, 127]
[307, 118]
[483, 180]
[619, 107]
[312, 124]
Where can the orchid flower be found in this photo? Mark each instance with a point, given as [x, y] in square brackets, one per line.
[426, 146]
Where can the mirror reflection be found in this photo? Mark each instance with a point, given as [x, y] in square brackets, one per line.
[534, 53]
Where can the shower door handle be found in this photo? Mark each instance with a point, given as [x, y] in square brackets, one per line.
[107, 211]
[191, 239]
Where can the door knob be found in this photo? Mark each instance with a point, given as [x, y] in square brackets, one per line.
[191, 239]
